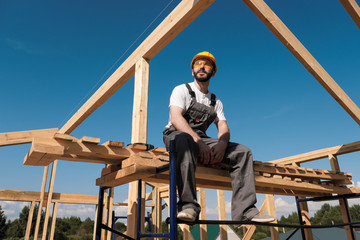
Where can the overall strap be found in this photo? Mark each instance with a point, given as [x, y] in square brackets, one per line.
[213, 100]
[191, 92]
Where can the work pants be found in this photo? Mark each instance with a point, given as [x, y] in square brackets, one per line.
[240, 161]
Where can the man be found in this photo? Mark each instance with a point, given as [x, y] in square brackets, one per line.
[192, 110]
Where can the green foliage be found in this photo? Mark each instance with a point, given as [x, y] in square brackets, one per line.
[73, 228]
[3, 225]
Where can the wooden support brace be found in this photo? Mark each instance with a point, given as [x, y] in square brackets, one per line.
[14, 138]
[173, 24]
[222, 214]
[278, 28]
[29, 222]
[202, 202]
[271, 211]
[53, 222]
[42, 193]
[353, 9]
[48, 205]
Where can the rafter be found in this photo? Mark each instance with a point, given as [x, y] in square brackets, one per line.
[186, 12]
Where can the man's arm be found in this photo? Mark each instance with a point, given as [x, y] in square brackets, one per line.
[179, 122]
[223, 137]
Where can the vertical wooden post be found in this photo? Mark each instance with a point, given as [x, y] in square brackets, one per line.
[157, 210]
[342, 202]
[48, 205]
[110, 211]
[222, 214]
[95, 221]
[138, 134]
[105, 209]
[305, 216]
[53, 222]
[42, 193]
[29, 222]
[271, 210]
[202, 202]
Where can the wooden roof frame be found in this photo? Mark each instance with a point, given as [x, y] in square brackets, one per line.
[179, 19]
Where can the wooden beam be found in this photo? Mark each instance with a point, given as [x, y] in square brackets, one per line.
[277, 27]
[48, 205]
[319, 154]
[53, 221]
[186, 12]
[140, 106]
[29, 222]
[202, 216]
[222, 214]
[14, 138]
[42, 193]
[353, 9]
[272, 212]
[45, 150]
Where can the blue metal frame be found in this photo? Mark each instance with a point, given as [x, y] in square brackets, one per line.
[173, 199]
[344, 197]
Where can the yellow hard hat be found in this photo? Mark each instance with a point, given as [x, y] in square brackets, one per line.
[206, 55]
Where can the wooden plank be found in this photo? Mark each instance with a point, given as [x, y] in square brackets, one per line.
[202, 216]
[29, 221]
[343, 203]
[138, 135]
[278, 28]
[53, 221]
[306, 218]
[319, 154]
[66, 137]
[42, 193]
[86, 139]
[353, 9]
[73, 151]
[114, 144]
[173, 24]
[140, 105]
[48, 205]
[14, 138]
[127, 175]
[222, 214]
[272, 212]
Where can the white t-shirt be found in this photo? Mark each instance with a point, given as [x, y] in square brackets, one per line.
[180, 97]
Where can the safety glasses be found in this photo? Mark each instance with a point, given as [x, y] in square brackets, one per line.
[200, 63]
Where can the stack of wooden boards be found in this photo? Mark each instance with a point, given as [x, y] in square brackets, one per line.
[126, 164]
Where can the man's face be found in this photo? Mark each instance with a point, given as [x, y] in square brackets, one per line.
[203, 69]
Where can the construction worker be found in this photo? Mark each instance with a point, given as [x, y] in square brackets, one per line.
[192, 110]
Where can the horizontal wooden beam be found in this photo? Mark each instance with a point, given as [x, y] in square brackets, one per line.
[186, 12]
[43, 151]
[277, 27]
[14, 138]
[28, 196]
[353, 9]
[318, 154]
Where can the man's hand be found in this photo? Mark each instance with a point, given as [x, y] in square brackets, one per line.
[206, 155]
[218, 151]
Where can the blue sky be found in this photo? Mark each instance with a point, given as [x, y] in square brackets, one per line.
[55, 54]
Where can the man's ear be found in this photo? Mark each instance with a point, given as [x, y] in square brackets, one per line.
[192, 72]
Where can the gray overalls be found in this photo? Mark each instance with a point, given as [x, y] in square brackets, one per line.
[239, 157]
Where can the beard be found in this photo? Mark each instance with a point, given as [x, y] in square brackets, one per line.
[204, 78]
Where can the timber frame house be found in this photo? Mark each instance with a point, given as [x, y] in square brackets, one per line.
[126, 164]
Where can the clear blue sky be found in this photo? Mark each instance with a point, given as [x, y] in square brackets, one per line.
[52, 54]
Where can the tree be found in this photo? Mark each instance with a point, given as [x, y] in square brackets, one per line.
[2, 224]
